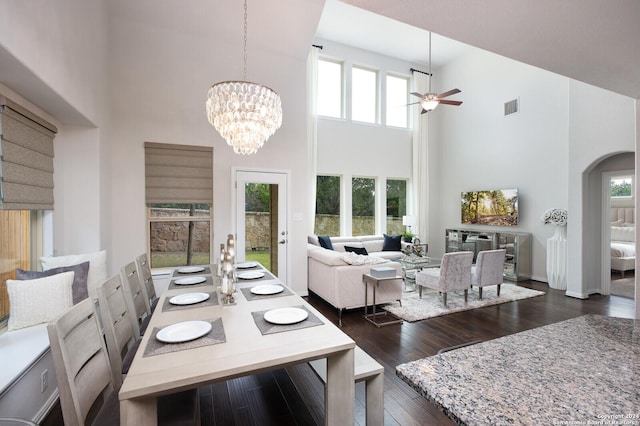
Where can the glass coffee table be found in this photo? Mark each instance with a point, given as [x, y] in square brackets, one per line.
[412, 265]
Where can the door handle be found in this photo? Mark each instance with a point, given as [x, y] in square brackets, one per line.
[282, 241]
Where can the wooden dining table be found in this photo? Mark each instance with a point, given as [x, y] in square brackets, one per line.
[244, 350]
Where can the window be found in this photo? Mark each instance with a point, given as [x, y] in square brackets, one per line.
[621, 186]
[363, 204]
[179, 196]
[397, 94]
[327, 206]
[364, 95]
[396, 205]
[330, 88]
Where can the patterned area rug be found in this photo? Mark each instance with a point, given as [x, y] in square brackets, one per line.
[623, 287]
[415, 309]
[576, 372]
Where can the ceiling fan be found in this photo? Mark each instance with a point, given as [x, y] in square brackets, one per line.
[429, 101]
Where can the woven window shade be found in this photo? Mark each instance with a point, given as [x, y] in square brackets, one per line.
[178, 173]
[26, 153]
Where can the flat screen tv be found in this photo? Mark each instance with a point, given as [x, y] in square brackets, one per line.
[495, 208]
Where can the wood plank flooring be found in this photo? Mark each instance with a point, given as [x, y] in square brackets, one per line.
[295, 396]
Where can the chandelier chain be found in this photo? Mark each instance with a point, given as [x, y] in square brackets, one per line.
[245, 40]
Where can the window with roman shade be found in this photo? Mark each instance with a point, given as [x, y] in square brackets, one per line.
[179, 198]
[26, 153]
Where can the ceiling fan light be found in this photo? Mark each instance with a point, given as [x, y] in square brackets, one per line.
[429, 104]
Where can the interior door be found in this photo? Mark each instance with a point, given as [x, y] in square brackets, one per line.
[261, 219]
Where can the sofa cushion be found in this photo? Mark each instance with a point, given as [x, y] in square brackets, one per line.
[356, 250]
[313, 239]
[80, 274]
[392, 243]
[325, 242]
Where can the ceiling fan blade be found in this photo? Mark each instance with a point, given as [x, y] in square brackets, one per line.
[417, 94]
[449, 93]
[412, 103]
[445, 102]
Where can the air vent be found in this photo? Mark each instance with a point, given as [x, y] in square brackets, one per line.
[511, 107]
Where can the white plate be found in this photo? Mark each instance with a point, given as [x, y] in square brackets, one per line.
[183, 331]
[188, 298]
[285, 315]
[267, 289]
[246, 265]
[251, 275]
[191, 269]
[190, 280]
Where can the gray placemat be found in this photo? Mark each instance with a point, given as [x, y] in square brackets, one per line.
[207, 282]
[215, 336]
[267, 277]
[268, 328]
[250, 296]
[207, 271]
[211, 301]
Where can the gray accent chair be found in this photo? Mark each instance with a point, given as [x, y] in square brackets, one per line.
[454, 274]
[488, 270]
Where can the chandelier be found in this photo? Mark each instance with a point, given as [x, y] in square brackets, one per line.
[245, 114]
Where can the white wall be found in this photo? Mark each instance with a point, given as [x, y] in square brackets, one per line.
[475, 147]
[160, 78]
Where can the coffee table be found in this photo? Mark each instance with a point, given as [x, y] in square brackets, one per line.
[412, 265]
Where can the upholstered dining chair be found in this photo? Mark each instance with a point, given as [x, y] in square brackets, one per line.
[120, 326]
[488, 270]
[88, 394]
[137, 298]
[454, 274]
[144, 274]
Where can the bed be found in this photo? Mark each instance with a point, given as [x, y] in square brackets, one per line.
[623, 239]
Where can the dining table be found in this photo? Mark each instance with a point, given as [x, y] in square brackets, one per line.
[248, 336]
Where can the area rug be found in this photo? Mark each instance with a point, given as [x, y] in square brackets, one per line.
[624, 287]
[580, 371]
[415, 309]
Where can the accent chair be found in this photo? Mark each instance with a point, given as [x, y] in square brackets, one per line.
[454, 274]
[488, 270]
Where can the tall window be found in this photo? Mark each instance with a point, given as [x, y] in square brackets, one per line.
[179, 196]
[621, 186]
[364, 95]
[363, 204]
[327, 206]
[397, 94]
[330, 88]
[396, 205]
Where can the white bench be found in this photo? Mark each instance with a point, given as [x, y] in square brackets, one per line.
[369, 370]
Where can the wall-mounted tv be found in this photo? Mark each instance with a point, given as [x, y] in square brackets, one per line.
[494, 208]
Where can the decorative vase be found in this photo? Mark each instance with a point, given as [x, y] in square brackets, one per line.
[557, 259]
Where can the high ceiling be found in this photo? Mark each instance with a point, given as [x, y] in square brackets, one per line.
[594, 41]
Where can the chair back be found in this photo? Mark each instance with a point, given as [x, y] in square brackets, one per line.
[489, 268]
[120, 325]
[133, 289]
[455, 271]
[81, 362]
[144, 274]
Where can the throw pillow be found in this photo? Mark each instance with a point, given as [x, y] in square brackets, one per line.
[313, 239]
[97, 266]
[392, 243]
[79, 287]
[357, 250]
[325, 242]
[38, 301]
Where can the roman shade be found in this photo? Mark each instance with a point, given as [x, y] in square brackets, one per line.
[178, 173]
[26, 154]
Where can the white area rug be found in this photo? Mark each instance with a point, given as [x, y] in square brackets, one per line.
[624, 287]
[415, 309]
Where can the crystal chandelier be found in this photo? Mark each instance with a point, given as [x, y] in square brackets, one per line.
[245, 114]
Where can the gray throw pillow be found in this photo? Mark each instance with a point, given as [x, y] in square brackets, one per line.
[80, 274]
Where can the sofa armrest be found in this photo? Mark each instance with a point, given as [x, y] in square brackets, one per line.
[325, 256]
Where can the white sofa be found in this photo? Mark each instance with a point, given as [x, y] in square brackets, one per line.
[340, 283]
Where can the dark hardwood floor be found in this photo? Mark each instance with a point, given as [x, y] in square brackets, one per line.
[295, 396]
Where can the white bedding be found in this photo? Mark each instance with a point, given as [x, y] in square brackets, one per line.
[623, 249]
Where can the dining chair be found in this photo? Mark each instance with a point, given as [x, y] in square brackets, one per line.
[488, 270]
[120, 326]
[454, 274]
[144, 274]
[136, 295]
[88, 394]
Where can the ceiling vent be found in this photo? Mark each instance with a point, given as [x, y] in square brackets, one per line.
[511, 107]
